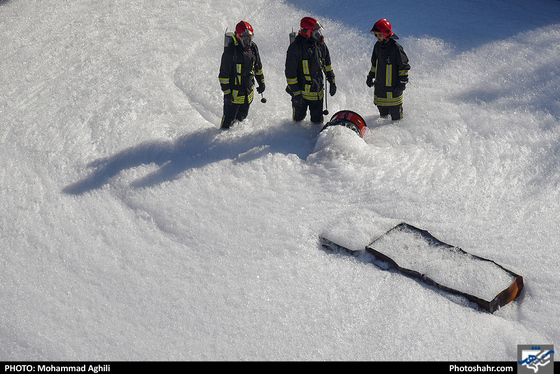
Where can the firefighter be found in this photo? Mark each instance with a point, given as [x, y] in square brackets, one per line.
[389, 71]
[240, 65]
[306, 60]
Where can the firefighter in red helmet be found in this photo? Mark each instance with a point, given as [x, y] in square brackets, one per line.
[240, 66]
[308, 57]
[389, 71]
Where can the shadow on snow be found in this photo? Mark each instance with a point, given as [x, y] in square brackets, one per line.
[195, 150]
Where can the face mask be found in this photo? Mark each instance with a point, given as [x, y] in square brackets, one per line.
[246, 40]
[317, 35]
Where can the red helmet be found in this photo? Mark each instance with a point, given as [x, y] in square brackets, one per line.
[311, 27]
[244, 28]
[383, 26]
[244, 32]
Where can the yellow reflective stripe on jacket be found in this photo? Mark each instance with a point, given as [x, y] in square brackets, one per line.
[312, 96]
[374, 68]
[238, 70]
[388, 101]
[389, 76]
[306, 72]
[293, 83]
[305, 64]
[307, 93]
[240, 99]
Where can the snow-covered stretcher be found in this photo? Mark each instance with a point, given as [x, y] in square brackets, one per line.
[416, 253]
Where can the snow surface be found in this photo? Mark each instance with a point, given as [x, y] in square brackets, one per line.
[131, 229]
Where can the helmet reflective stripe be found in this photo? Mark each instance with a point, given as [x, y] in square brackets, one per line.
[247, 32]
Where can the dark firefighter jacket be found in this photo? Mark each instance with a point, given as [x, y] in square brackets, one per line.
[238, 70]
[389, 68]
[306, 61]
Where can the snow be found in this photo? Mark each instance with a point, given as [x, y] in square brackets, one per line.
[132, 229]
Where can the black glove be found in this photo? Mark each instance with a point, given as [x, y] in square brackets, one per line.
[401, 86]
[297, 100]
[261, 88]
[228, 99]
[369, 81]
[332, 89]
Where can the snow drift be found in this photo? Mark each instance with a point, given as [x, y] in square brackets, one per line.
[131, 229]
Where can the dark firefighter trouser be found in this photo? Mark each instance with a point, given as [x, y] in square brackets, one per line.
[396, 111]
[232, 113]
[315, 110]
